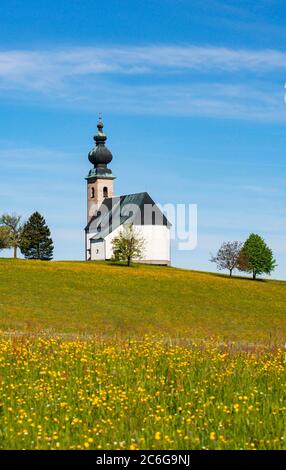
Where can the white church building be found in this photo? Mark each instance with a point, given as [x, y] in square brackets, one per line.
[106, 213]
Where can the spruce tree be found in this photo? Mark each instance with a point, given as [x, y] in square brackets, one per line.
[256, 257]
[36, 242]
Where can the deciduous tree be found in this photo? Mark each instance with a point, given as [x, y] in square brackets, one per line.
[5, 241]
[227, 256]
[128, 245]
[256, 257]
[12, 223]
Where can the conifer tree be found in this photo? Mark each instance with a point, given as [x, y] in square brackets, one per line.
[36, 242]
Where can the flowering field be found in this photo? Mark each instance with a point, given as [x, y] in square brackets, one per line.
[103, 299]
[130, 394]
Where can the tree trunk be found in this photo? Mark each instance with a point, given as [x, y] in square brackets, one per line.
[128, 261]
[254, 275]
[230, 272]
[15, 251]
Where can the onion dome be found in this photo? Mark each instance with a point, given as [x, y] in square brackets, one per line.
[100, 155]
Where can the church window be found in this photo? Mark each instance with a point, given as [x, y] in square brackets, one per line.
[92, 192]
[105, 192]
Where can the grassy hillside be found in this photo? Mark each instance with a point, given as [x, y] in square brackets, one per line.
[78, 297]
[146, 392]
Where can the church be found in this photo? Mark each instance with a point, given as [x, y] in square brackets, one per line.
[106, 213]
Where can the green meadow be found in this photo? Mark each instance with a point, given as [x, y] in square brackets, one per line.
[101, 356]
[100, 298]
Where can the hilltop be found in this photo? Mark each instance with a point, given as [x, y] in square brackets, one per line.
[88, 298]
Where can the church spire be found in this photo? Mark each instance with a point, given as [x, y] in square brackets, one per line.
[100, 177]
[100, 155]
[100, 137]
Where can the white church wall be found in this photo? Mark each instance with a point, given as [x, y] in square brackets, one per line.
[88, 237]
[97, 248]
[93, 250]
[157, 243]
[108, 242]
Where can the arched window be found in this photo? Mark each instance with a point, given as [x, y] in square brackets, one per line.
[105, 192]
[92, 192]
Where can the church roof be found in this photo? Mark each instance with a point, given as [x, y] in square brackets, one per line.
[138, 208]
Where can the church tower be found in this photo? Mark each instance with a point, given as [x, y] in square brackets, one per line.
[100, 178]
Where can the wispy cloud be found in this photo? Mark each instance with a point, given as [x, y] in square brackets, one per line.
[136, 60]
[32, 158]
[189, 80]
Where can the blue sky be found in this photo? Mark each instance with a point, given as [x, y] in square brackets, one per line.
[192, 96]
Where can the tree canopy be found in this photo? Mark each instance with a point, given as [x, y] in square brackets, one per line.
[128, 245]
[256, 257]
[5, 241]
[12, 223]
[227, 256]
[36, 242]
